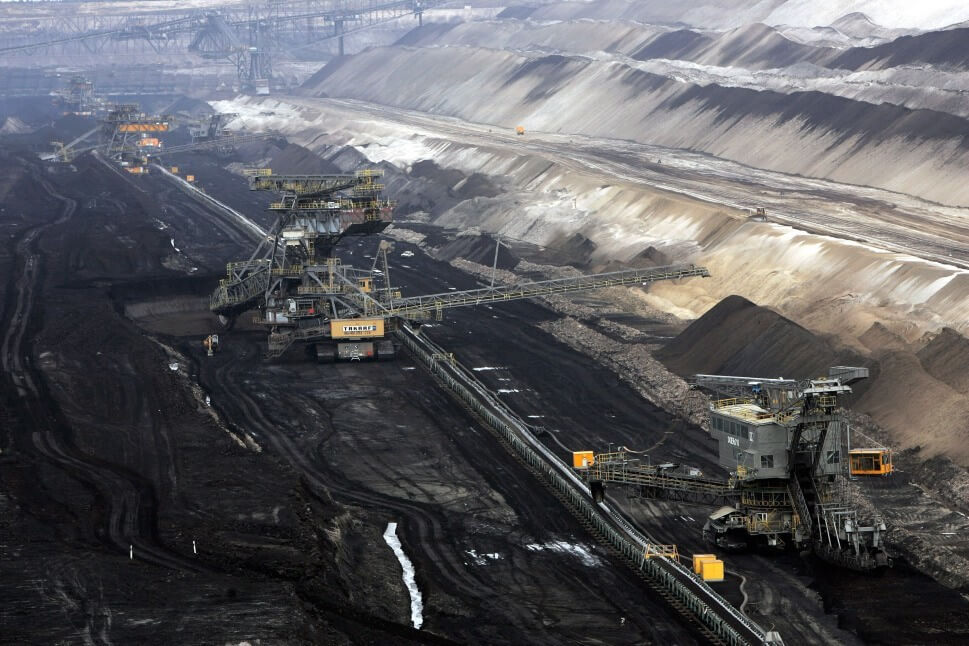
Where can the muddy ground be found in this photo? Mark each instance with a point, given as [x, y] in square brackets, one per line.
[134, 512]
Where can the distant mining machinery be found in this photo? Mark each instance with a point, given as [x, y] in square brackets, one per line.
[126, 135]
[210, 133]
[211, 127]
[305, 294]
[78, 98]
[785, 444]
[129, 136]
[248, 35]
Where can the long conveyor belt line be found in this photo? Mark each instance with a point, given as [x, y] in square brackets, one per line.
[687, 593]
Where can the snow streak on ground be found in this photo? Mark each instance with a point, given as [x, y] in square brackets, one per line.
[416, 603]
[563, 547]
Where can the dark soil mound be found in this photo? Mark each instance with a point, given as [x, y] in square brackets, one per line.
[188, 105]
[576, 250]
[296, 160]
[946, 358]
[737, 337]
[878, 338]
[479, 249]
[428, 169]
[425, 35]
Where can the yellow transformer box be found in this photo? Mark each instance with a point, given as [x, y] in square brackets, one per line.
[699, 559]
[583, 459]
[712, 571]
[356, 328]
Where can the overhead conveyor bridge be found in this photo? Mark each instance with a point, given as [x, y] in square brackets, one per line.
[418, 307]
[623, 468]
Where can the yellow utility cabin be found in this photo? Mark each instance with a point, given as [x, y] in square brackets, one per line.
[870, 462]
[583, 459]
[520, 130]
[174, 169]
[190, 178]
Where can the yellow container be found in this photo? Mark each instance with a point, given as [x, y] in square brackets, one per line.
[190, 178]
[174, 169]
[712, 570]
[583, 459]
[698, 560]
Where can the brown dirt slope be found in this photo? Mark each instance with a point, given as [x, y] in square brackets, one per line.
[917, 409]
[738, 337]
[946, 358]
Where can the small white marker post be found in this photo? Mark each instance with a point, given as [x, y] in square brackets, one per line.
[131, 552]
[194, 549]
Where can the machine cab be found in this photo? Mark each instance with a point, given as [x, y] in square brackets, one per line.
[871, 462]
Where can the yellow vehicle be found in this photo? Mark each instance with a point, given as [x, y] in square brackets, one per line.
[871, 462]
[520, 130]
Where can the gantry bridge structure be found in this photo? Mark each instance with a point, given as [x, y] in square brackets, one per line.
[247, 34]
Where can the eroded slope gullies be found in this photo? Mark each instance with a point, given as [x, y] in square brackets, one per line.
[810, 133]
[854, 58]
[727, 14]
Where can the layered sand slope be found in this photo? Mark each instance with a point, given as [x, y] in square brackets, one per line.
[920, 152]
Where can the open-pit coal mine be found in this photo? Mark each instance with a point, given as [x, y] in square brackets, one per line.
[560, 322]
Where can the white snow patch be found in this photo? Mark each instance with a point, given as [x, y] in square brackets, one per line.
[396, 150]
[563, 547]
[416, 603]
[484, 368]
[887, 13]
[482, 559]
[508, 390]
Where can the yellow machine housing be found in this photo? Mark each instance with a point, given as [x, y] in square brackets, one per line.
[712, 571]
[871, 462]
[356, 328]
[698, 560]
